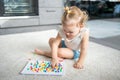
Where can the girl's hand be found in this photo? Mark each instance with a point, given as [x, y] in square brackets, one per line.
[54, 62]
[78, 65]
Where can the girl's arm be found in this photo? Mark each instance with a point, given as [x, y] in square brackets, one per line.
[84, 46]
[54, 50]
[83, 51]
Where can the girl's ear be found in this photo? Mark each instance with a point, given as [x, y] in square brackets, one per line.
[81, 25]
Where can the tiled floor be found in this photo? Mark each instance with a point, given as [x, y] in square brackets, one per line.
[105, 32]
[102, 29]
[6, 31]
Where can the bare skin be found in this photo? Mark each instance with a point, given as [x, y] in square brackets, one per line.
[63, 53]
[57, 53]
[46, 53]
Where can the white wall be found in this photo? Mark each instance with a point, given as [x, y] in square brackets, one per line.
[50, 11]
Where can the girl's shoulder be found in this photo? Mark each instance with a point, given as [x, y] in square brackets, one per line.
[59, 28]
[60, 31]
[83, 30]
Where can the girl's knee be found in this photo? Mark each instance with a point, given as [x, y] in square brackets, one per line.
[51, 40]
[60, 52]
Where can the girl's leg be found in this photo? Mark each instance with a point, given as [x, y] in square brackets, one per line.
[62, 52]
[45, 53]
[65, 53]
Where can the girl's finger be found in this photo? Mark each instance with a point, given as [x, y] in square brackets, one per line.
[56, 64]
[53, 65]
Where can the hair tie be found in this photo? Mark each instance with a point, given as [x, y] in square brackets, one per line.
[67, 9]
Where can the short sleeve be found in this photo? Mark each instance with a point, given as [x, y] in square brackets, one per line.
[61, 33]
[85, 30]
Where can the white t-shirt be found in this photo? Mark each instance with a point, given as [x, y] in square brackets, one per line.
[74, 43]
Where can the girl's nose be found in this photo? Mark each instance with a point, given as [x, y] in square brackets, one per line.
[67, 34]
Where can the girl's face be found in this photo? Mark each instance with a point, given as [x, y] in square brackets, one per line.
[71, 30]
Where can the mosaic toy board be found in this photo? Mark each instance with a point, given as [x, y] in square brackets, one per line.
[42, 67]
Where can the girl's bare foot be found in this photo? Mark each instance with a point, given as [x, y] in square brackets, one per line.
[40, 52]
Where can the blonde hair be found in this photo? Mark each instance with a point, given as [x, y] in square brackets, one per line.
[74, 15]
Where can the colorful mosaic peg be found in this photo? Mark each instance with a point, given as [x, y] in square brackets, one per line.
[42, 67]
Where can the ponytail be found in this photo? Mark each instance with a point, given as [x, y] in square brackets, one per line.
[74, 15]
[84, 18]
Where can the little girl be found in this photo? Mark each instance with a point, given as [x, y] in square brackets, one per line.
[72, 39]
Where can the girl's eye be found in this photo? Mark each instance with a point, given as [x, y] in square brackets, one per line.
[70, 32]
